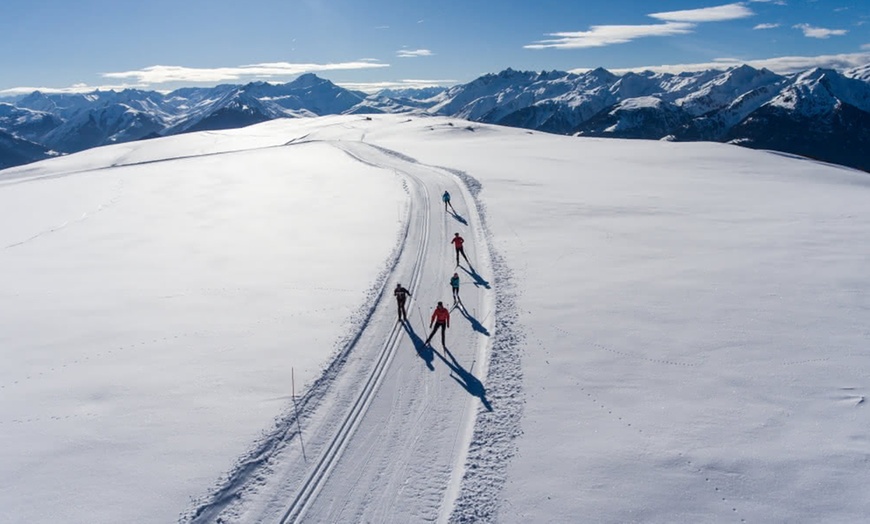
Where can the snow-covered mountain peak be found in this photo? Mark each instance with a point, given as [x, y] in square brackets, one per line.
[309, 80]
[814, 75]
[632, 85]
[721, 90]
[699, 105]
[821, 90]
[744, 74]
[551, 76]
[601, 75]
[859, 73]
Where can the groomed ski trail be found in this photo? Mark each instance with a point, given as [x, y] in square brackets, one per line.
[387, 429]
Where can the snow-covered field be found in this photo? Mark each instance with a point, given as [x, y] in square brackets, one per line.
[652, 331]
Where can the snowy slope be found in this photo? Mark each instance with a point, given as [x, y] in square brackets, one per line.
[654, 332]
[153, 313]
[694, 320]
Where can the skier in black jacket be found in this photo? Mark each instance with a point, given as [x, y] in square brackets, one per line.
[401, 295]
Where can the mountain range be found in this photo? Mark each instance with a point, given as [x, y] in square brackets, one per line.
[820, 113]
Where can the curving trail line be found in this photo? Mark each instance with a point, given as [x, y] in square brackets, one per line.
[387, 428]
[398, 455]
[317, 475]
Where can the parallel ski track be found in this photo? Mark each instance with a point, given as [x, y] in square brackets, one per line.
[319, 473]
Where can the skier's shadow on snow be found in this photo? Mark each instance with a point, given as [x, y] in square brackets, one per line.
[423, 351]
[478, 280]
[458, 217]
[464, 378]
[475, 325]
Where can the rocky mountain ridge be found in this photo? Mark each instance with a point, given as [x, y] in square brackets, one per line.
[819, 113]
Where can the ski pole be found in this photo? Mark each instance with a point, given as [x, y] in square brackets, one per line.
[422, 320]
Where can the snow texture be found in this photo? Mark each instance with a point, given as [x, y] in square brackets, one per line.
[201, 328]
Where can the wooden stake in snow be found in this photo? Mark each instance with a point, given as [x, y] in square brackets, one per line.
[296, 407]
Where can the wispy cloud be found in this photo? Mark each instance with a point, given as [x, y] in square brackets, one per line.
[866, 47]
[782, 65]
[366, 87]
[675, 23]
[73, 89]
[766, 26]
[819, 32]
[775, 2]
[707, 14]
[374, 87]
[165, 74]
[413, 53]
[603, 35]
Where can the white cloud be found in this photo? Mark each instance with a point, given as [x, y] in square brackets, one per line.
[866, 47]
[676, 23]
[782, 65]
[367, 87]
[374, 87]
[602, 35]
[775, 2]
[73, 89]
[766, 26]
[819, 32]
[707, 14]
[413, 53]
[165, 74]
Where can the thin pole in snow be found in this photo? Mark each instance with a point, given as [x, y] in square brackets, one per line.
[296, 407]
[422, 319]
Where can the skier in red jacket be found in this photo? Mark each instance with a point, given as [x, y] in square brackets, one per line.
[441, 319]
[457, 242]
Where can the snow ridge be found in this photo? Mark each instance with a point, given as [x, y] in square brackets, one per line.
[493, 443]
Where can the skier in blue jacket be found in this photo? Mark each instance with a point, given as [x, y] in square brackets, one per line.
[454, 283]
[446, 198]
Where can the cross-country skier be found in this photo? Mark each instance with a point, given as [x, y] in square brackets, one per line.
[401, 295]
[454, 284]
[441, 319]
[446, 198]
[457, 242]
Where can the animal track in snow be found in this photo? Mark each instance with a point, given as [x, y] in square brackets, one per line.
[626, 354]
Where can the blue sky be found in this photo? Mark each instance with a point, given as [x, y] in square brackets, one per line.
[164, 44]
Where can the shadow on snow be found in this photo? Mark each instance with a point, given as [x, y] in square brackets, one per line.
[475, 324]
[464, 378]
[423, 351]
[458, 217]
[458, 373]
[478, 280]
